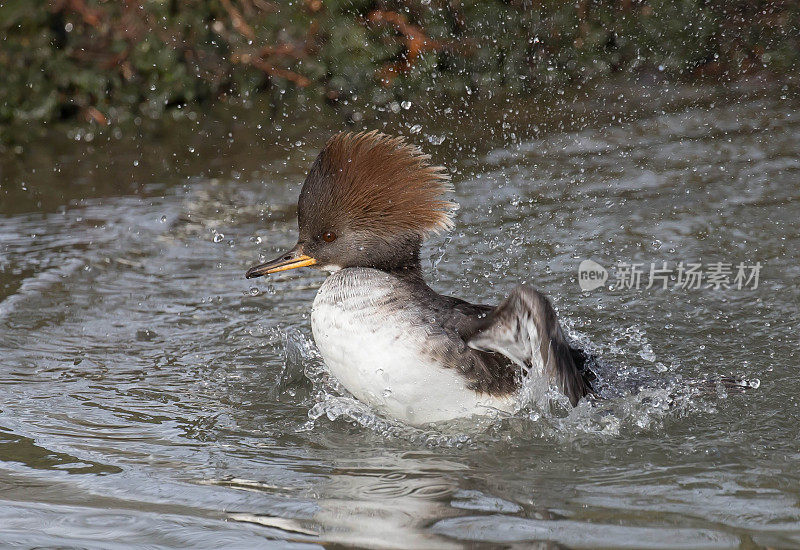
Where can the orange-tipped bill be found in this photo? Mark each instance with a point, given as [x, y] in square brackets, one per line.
[292, 259]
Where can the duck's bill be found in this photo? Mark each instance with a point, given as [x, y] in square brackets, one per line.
[291, 260]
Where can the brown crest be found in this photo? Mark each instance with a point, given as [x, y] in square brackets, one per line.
[377, 183]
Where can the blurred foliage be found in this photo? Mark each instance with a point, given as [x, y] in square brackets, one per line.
[103, 60]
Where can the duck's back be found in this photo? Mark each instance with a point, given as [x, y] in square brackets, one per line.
[399, 347]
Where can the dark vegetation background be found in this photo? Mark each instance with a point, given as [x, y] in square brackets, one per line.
[107, 61]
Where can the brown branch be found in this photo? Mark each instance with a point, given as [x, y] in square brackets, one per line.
[238, 21]
[265, 6]
[91, 114]
[260, 59]
[414, 40]
[281, 49]
[313, 6]
[90, 16]
[291, 76]
[270, 69]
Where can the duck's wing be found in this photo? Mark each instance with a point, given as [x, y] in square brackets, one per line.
[525, 329]
[485, 371]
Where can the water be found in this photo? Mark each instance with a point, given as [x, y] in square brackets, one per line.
[151, 395]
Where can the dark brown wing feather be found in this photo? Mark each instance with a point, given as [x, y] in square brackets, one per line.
[492, 345]
[525, 328]
[485, 371]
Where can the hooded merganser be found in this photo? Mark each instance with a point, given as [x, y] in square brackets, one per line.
[394, 343]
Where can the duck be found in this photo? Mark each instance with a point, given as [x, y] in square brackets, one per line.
[367, 204]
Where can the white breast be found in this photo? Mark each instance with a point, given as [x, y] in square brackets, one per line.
[365, 333]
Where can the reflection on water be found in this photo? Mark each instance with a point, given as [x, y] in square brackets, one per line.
[151, 395]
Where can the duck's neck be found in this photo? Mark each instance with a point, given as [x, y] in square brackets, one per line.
[399, 257]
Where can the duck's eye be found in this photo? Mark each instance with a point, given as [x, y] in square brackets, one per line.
[329, 236]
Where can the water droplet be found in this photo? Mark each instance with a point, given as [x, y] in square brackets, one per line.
[647, 353]
[163, 219]
[406, 105]
[145, 335]
[218, 237]
[254, 291]
[387, 392]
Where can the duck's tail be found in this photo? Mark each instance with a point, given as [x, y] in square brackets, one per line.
[590, 368]
[723, 385]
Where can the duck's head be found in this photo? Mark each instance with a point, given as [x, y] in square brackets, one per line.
[368, 201]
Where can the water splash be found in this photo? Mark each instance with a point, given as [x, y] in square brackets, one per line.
[630, 400]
